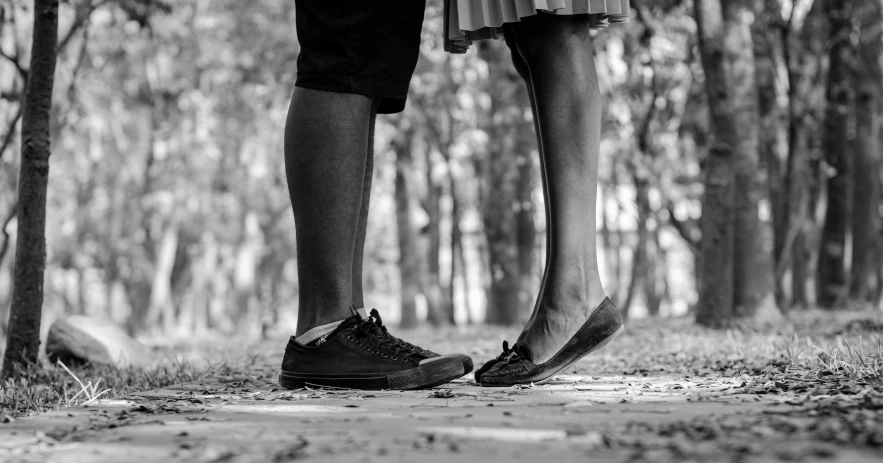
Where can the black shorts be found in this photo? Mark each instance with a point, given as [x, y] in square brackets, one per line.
[368, 47]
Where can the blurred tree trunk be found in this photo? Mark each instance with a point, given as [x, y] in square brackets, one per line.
[23, 343]
[505, 301]
[161, 305]
[410, 267]
[640, 263]
[203, 271]
[866, 195]
[458, 261]
[112, 238]
[731, 276]
[753, 281]
[656, 284]
[839, 151]
[245, 272]
[800, 44]
[792, 251]
[139, 289]
[507, 150]
[437, 123]
[737, 275]
[771, 123]
[7, 239]
[866, 220]
[525, 215]
[614, 246]
[606, 248]
[437, 310]
[877, 297]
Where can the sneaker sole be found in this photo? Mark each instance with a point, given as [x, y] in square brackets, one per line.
[422, 377]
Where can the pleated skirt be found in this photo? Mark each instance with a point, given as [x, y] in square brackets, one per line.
[469, 20]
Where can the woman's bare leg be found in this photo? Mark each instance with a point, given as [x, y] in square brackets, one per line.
[557, 51]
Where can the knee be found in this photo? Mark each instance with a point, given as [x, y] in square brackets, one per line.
[539, 35]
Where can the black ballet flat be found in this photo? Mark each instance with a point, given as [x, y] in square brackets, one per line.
[515, 365]
[487, 366]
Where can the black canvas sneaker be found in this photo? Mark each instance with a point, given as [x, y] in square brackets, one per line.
[361, 354]
[465, 359]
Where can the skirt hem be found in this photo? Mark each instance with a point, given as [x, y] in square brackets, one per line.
[467, 21]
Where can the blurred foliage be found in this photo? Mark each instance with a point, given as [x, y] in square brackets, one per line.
[168, 206]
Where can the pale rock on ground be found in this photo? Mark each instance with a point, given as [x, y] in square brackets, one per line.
[82, 338]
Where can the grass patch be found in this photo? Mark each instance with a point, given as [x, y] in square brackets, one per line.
[855, 362]
[846, 343]
[44, 387]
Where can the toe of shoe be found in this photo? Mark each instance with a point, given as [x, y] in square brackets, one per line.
[504, 374]
[484, 368]
[467, 363]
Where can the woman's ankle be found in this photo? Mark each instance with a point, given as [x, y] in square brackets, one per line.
[576, 294]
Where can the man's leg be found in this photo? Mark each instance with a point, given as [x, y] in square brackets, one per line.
[349, 49]
[327, 139]
[359, 253]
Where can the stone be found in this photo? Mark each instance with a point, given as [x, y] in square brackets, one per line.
[85, 339]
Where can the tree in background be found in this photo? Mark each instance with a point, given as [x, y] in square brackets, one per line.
[839, 150]
[410, 261]
[797, 180]
[737, 274]
[867, 226]
[507, 207]
[23, 340]
[771, 121]
[753, 287]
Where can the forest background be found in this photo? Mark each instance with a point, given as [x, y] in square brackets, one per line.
[740, 169]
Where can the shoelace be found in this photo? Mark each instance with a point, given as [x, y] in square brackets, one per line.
[508, 354]
[407, 345]
[372, 331]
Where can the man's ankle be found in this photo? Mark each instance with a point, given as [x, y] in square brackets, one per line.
[306, 322]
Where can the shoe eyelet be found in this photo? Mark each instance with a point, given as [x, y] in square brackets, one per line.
[394, 358]
[376, 351]
[358, 343]
[384, 355]
[404, 360]
[350, 338]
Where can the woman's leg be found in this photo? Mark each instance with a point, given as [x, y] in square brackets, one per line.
[524, 72]
[567, 108]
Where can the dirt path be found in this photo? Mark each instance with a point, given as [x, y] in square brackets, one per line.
[668, 391]
[574, 418]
